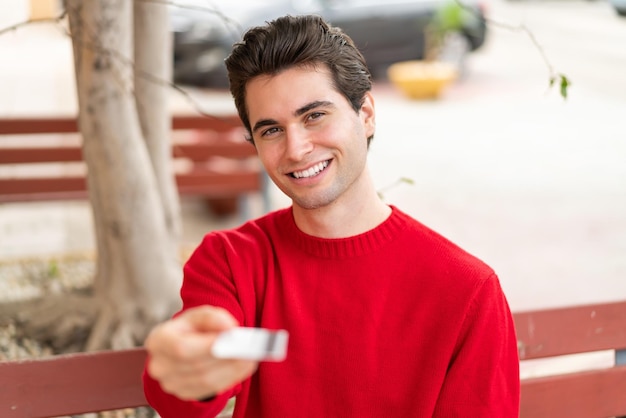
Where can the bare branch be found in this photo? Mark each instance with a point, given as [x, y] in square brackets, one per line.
[56, 20]
[121, 58]
[381, 192]
[523, 28]
[230, 23]
[563, 81]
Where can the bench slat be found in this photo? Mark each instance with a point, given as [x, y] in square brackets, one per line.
[228, 184]
[222, 184]
[598, 393]
[13, 126]
[200, 151]
[21, 155]
[72, 384]
[64, 124]
[562, 331]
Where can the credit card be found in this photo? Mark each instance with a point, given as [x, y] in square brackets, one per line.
[249, 343]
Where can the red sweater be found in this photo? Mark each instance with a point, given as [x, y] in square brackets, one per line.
[397, 321]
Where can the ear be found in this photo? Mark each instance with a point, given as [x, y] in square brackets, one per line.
[368, 114]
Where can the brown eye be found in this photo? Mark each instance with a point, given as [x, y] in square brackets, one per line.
[269, 131]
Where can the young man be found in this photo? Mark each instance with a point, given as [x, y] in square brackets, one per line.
[385, 316]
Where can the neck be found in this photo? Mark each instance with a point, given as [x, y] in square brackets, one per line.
[357, 211]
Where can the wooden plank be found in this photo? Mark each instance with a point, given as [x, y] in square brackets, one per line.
[198, 151]
[46, 154]
[11, 126]
[43, 196]
[72, 384]
[572, 330]
[598, 393]
[218, 123]
[65, 124]
[201, 151]
[197, 182]
[14, 187]
[222, 185]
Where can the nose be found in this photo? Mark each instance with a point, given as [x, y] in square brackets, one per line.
[298, 143]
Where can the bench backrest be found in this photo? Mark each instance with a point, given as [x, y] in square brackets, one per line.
[207, 140]
[574, 330]
[86, 382]
[72, 384]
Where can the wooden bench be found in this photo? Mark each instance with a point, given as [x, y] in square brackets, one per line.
[565, 331]
[86, 382]
[71, 384]
[41, 160]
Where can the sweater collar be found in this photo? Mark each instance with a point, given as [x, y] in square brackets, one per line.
[353, 246]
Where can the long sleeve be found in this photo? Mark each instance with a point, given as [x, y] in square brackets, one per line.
[169, 406]
[483, 377]
[207, 279]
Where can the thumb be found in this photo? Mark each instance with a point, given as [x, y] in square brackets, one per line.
[208, 318]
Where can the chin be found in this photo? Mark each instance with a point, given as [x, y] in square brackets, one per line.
[312, 203]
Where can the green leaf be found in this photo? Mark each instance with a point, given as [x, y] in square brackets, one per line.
[53, 269]
[565, 83]
[449, 16]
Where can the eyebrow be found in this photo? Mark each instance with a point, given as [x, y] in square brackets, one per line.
[299, 112]
[311, 106]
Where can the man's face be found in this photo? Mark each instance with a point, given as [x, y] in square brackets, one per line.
[310, 140]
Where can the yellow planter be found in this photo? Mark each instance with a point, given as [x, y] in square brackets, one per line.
[422, 79]
[44, 9]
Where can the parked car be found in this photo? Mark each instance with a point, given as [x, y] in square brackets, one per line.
[385, 32]
[619, 6]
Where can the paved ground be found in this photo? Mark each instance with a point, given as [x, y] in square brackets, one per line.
[533, 184]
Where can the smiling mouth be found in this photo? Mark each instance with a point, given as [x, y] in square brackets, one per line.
[311, 172]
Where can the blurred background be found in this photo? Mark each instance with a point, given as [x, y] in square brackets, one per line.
[532, 183]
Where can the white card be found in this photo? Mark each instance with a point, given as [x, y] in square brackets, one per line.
[252, 344]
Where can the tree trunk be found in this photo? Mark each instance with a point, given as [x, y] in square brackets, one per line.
[130, 183]
[153, 63]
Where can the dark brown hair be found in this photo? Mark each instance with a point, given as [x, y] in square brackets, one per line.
[292, 41]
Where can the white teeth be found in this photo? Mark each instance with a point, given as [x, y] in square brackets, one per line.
[316, 169]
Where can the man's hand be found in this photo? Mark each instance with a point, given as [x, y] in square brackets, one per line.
[180, 356]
